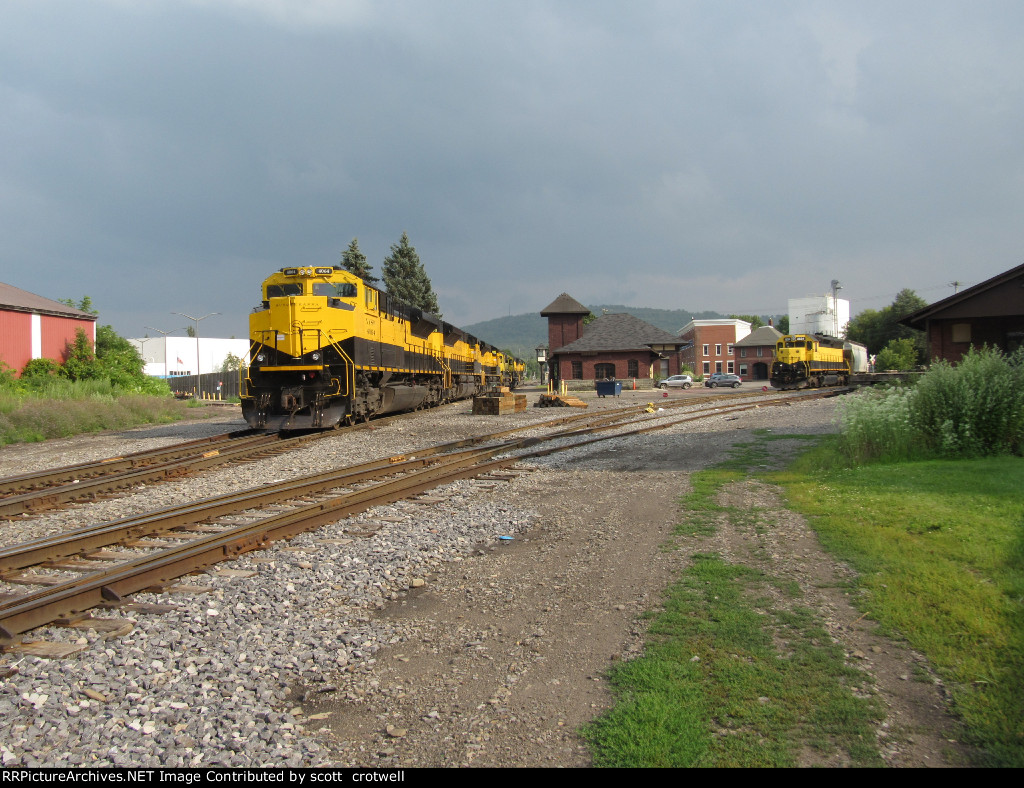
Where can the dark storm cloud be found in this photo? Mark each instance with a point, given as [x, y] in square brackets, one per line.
[166, 156]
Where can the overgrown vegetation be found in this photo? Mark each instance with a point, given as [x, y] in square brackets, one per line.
[973, 409]
[91, 389]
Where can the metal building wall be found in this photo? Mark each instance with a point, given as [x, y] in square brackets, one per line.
[15, 338]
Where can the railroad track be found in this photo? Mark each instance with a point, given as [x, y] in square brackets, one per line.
[103, 565]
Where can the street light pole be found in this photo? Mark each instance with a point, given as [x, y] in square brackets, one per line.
[199, 379]
[165, 333]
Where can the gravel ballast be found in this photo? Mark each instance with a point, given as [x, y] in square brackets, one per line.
[277, 663]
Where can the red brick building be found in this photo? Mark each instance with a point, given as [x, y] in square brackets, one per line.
[709, 345]
[755, 353]
[617, 346]
[35, 327]
[990, 313]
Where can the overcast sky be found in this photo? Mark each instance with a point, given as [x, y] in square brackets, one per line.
[166, 155]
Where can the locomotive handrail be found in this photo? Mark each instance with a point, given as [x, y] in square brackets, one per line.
[350, 378]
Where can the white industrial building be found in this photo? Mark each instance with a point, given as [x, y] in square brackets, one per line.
[169, 357]
[823, 314]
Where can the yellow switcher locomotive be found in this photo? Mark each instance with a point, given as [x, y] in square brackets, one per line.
[815, 360]
[327, 349]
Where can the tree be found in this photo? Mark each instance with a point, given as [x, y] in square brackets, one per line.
[83, 305]
[118, 358]
[877, 328]
[79, 360]
[232, 363]
[754, 320]
[354, 261]
[783, 324]
[899, 354]
[406, 279]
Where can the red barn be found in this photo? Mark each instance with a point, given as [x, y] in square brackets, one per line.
[35, 327]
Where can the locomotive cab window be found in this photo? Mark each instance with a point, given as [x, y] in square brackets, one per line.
[285, 290]
[334, 289]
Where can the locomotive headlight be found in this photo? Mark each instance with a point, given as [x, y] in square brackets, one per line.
[261, 357]
[315, 357]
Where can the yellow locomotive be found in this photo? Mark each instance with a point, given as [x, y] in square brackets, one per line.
[327, 349]
[815, 360]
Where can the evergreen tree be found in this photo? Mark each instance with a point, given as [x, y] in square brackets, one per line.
[406, 278]
[354, 261]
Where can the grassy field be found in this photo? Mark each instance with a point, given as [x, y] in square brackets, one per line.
[939, 546]
[80, 408]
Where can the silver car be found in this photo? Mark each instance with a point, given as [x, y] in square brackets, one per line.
[723, 379]
[676, 382]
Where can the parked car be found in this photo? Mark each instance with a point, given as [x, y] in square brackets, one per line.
[676, 382]
[723, 379]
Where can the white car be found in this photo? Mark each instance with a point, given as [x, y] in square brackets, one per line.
[676, 382]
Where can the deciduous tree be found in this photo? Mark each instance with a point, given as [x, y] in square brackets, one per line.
[877, 328]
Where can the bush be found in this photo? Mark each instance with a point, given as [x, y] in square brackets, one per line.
[972, 409]
[899, 354]
[975, 408]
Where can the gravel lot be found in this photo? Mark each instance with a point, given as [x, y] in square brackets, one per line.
[412, 635]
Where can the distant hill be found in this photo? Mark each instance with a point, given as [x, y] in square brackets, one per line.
[523, 334]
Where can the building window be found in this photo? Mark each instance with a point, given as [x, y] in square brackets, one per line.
[603, 371]
[718, 366]
[743, 352]
[633, 370]
[729, 368]
[718, 350]
[705, 353]
[743, 370]
[729, 351]
[961, 332]
[759, 351]
[577, 370]
[707, 368]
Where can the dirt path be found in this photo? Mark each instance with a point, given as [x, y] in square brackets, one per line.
[510, 647]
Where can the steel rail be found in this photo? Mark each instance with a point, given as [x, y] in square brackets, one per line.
[112, 585]
[79, 541]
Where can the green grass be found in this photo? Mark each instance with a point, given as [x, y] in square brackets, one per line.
[714, 689]
[33, 419]
[939, 546]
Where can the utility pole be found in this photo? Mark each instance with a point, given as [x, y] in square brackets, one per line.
[835, 307]
[199, 379]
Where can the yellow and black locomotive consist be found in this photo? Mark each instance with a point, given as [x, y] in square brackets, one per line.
[327, 349]
[815, 360]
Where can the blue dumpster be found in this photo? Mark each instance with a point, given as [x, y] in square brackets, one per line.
[608, 388]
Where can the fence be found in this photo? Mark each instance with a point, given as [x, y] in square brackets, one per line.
[215, 385]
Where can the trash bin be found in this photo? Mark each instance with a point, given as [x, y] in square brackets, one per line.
[608, 388]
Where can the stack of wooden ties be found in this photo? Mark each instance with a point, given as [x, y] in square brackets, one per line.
[498, 403]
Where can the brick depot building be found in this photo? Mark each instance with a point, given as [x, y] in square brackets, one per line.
[990, 313]
[35, 327]
[755, 353]
[709, 345]
[618, 346]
